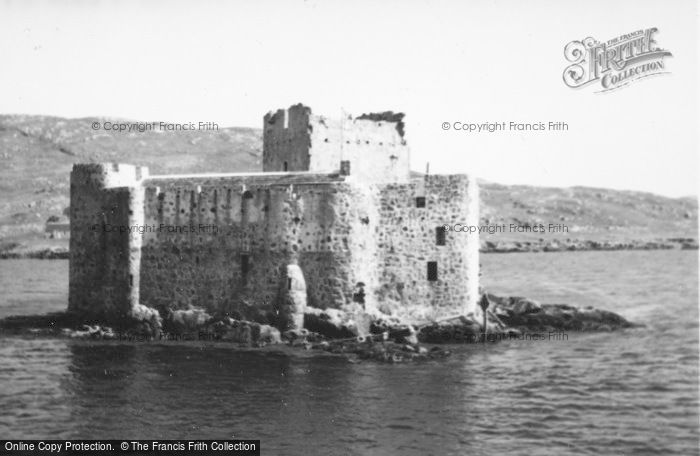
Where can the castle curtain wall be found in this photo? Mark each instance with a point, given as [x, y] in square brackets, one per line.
[368, 235]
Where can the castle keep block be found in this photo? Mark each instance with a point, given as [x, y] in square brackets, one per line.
[334, 221]
[297, 140]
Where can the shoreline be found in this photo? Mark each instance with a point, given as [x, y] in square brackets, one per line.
[385, 339]
[577, 245]
[487, 247]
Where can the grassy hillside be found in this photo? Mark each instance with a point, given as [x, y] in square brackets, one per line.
[590, 213]
[37, 153]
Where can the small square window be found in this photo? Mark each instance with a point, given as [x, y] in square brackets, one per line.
[420, 201]
[432, 271]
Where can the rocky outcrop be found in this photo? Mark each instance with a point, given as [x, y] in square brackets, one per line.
[574, 245]
[526, 315]
[150, 321]
[53, 253]
[345, 332]
[245, 333]
[340, 323]
[507, 317]
[190, 319]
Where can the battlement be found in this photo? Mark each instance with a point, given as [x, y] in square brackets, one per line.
[373, 145]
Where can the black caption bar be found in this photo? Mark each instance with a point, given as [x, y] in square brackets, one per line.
[127, 447]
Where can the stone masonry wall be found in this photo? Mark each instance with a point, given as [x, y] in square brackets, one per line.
[286, 140]
[376, 151]
[297, 140]
[247, 230]
[407, 241]
[225, 243]
[104, 262]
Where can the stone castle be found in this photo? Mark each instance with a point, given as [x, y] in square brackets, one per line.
[335, 219]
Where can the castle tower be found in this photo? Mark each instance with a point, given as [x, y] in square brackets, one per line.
[106, 199]
[371, 147]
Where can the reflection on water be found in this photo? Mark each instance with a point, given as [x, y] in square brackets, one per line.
[629, 392]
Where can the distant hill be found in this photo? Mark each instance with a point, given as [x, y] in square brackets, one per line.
[37, 153]
[591, 213]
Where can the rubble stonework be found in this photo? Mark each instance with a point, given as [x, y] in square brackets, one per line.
[254, 245]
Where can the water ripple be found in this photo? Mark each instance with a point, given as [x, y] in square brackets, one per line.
[633, 392]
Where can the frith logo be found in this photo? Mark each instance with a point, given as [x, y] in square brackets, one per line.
[614, 63]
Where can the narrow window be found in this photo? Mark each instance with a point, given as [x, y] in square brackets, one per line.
[161, 202]
[420, 201]
[440, 235]
[289, 283]
[247, 206]
[285, 166]
[245, 264]
[432, 271]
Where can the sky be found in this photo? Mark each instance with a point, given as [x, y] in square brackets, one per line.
[229, 62]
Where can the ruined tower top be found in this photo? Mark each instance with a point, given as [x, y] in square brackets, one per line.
[370, 147]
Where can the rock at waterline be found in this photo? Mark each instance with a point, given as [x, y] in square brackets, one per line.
[386, 339]
[527, 315]
[507, 317]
